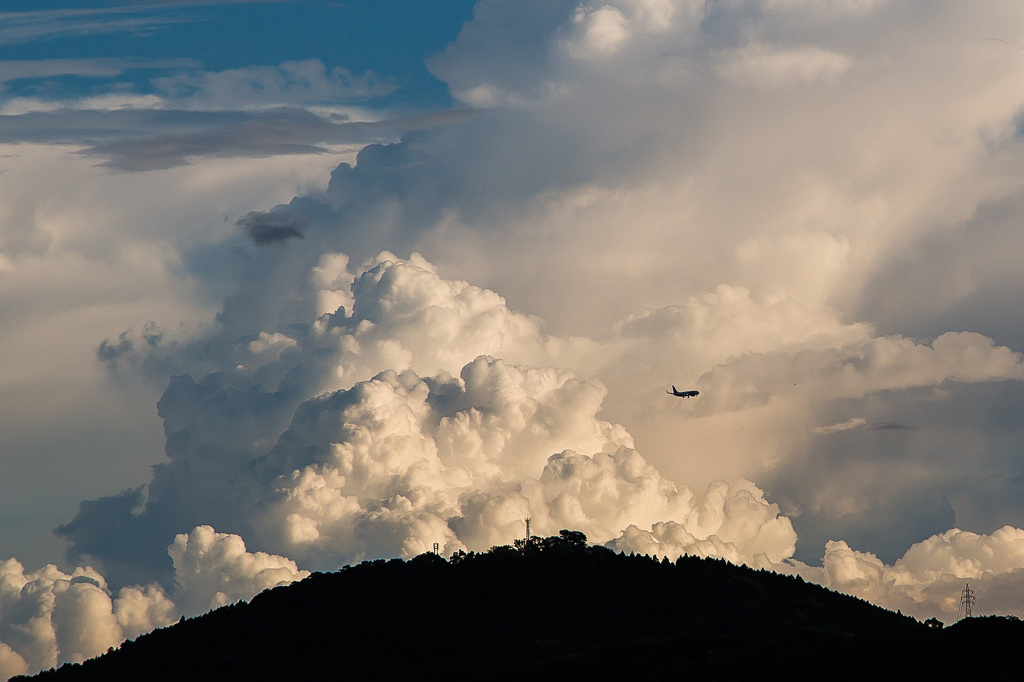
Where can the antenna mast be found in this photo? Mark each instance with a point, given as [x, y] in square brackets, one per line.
[527, 530]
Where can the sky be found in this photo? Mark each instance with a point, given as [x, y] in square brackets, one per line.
[289, 285]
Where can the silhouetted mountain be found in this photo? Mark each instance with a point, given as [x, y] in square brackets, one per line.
[555, 608]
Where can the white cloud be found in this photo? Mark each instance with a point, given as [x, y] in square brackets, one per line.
[852, 423]
[101, 255]
[289, 83]
[602, 31]
[765, 245]
[48, 617]
[20, 27]
[213, 569]
[731, 521]
[761, 67]
[140, 609]
[397, 463]
[929, 578]
[857, 369]
[11, 662]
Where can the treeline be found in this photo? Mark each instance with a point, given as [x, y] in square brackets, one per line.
[551, 608]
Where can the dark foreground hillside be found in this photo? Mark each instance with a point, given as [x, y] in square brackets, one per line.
[560, 610]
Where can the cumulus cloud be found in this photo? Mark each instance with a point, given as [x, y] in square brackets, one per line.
[777, 203]
[348, 436]
[929, 578]
[48, 617]
[731, 521]
[213, 569]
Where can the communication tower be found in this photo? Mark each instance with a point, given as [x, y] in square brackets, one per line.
[966, 602]
[528, 530]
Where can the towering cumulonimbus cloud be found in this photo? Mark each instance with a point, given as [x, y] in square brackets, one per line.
[381, 425]
[398, 460]
[728, 196]
[397, 463]
[389, 464]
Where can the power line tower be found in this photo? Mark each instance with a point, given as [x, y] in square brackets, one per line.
[966, 602]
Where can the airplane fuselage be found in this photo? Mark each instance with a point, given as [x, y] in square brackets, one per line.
[683, 394]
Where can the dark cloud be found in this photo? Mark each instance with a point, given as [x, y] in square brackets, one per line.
[151, 139]
[963, 275]
[729, 23]
[106, 530]
[890, 426]
[214, 428]
[109, 351]
[124, 348]
[929, 459]
[272, 227]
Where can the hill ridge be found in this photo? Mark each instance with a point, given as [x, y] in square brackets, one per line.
[548, 608]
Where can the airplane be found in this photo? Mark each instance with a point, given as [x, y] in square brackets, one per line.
[683, 394]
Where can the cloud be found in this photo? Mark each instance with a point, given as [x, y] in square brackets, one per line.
[12, 70]
[852, 423]
[402, 315]
[48, 617]
[777, 203]
[293, 83]
[759, 67]
[21, 27]
[929, 578]
[401, 458]
[272, 228]
[867, 366]
[140, 139]
[332, 427]
[213, 569]
[731, 521]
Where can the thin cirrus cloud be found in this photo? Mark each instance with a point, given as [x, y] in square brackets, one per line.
[95, 67]
[24, 27]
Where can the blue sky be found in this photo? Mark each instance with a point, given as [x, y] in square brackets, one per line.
[288, 285]
[391, 38]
